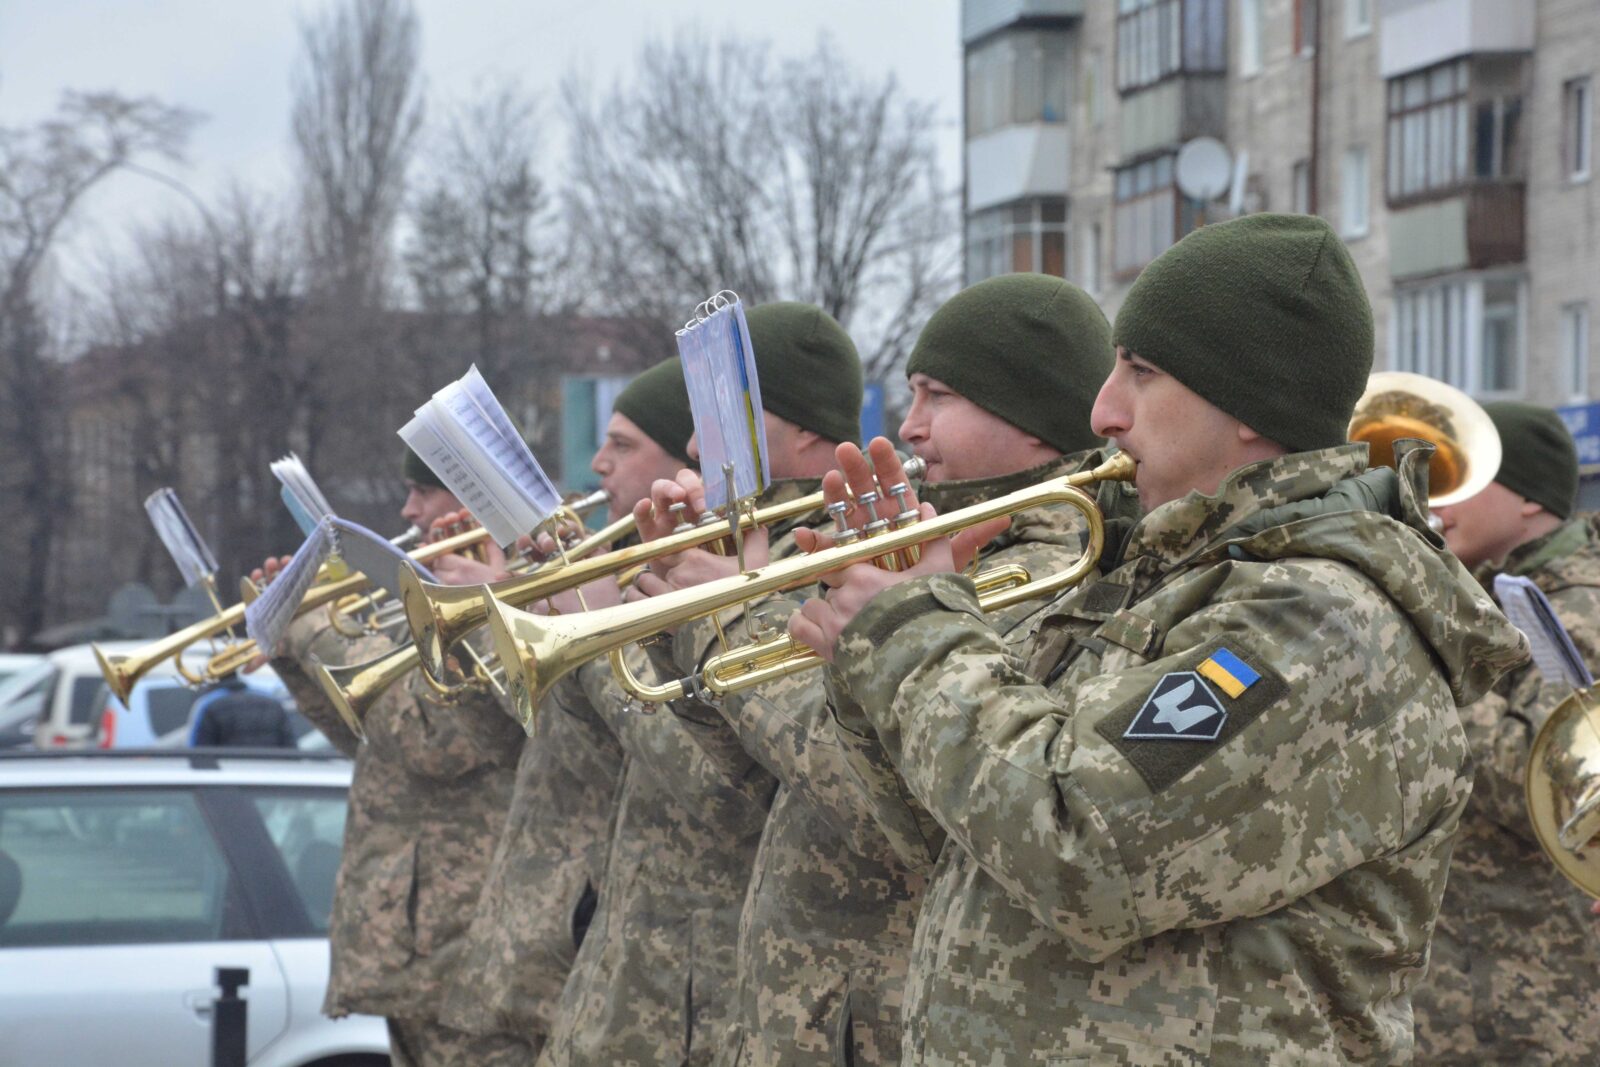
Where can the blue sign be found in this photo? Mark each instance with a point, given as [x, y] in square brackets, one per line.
[872, 412]
[1583, 420]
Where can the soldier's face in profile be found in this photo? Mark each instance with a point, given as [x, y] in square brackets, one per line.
[425, 503]
[628, 461]
[1485, 528]
[961, 440]
[1182, 442]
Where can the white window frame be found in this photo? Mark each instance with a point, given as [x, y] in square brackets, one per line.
[1577, 128]
[1300, 187]
[1251, 40]
[1355, 193]
[1575, 351]
[1357, 18]
[1445, 321]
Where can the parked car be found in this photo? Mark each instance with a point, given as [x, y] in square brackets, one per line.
[160, 711]
[62, 694]
[13, 662]
[125, 881]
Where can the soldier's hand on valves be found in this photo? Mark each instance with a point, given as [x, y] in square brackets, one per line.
[464, 570]
[696, 566]
[821, 620]
[600, 593]
[261, 576]
[654, 515]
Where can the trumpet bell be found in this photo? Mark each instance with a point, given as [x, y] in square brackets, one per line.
[1398, 405]
[1563, 789]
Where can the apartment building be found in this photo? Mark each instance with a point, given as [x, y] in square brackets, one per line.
[1449, 142]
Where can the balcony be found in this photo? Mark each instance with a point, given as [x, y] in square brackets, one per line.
[1171, 112]
[979, 18]
[1413, 34]
[1016, 163]
[1483, 226]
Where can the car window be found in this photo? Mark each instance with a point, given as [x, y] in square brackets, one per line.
[27, 701]
[110, 867]
[85, 708]
[308, 831]
[169, 707]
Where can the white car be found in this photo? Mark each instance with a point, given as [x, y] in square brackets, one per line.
[125, 880]
[57, 702]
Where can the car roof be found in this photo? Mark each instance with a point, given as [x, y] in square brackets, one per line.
[159, 767]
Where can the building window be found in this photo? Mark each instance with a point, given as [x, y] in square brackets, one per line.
[1158, 38]
[1354, 199]
[1467, 332]
[1305, 26]
[1357, 17]
[1029, 235]
[1428, 130]
[1300, 188]
[1016, 79]
[1149, 214]
[1578, 129]
[1249, 37]
[1575, 351]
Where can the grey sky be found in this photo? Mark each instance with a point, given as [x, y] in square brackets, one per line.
[232, 59]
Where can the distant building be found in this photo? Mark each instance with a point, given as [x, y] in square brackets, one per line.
[1450, 142]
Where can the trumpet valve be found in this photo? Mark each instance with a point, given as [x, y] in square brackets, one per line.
[678, 512]
[843, 532]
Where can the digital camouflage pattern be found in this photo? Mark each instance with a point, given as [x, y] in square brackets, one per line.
[653, 981]
[413, 1044]
[1515, 976]
[825, 935]
[427, 800]
[1266, 897]
[524, 938]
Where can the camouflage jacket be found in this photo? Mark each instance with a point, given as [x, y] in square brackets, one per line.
[1515, 976]
[825, 935]
[427, 801]
[1208, 819]
[528, 925]
[653, 980]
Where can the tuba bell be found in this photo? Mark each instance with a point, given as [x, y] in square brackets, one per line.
[1563, 789]
[1398, 405]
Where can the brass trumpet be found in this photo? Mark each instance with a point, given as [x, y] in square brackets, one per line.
[122, 672]
[1563, 789]
[441, 615]
[538, 650]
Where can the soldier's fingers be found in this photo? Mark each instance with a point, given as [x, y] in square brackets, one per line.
[694, 491]
[892, 476]
[966, 544]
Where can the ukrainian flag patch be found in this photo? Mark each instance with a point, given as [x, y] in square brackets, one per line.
[1228, 672]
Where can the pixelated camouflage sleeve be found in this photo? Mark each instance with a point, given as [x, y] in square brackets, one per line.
[700, 763]
[310, 639]
[1109, 840]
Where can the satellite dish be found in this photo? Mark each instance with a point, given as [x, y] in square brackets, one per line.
[1205, 169]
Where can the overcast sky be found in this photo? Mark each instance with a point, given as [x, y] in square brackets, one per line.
[232, 60]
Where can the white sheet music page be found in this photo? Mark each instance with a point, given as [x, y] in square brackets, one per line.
[1553, 651]
[371, 554]
[465, 437]
[719, 370]
[300, 493]
[269, 615]
[183, 542]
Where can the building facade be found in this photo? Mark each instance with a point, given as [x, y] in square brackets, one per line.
[1449, 142]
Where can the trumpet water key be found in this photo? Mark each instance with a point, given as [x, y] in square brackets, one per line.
[538, 650]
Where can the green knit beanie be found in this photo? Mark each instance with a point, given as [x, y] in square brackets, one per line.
[414, 470]
[1538, 460]
[1266, 318]
[810, 373]
[658, 403]
[1030, 348]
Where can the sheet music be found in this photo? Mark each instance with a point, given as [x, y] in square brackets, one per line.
[464, 435]
[1553, 651]
[372, 555]
[268, 616]
[719, 370]
[182, 541]
[300, 493]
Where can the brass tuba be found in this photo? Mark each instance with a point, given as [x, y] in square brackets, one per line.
[1398, 405]
[1563, 789]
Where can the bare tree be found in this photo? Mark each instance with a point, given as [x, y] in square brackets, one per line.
[803, 180]
[45, 170]
[357, 111]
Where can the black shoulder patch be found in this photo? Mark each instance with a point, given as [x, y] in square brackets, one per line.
[1206, 699]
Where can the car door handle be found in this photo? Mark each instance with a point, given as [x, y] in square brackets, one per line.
[199, 1001]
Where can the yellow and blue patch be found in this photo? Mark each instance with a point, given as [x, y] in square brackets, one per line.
[1228, 672]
